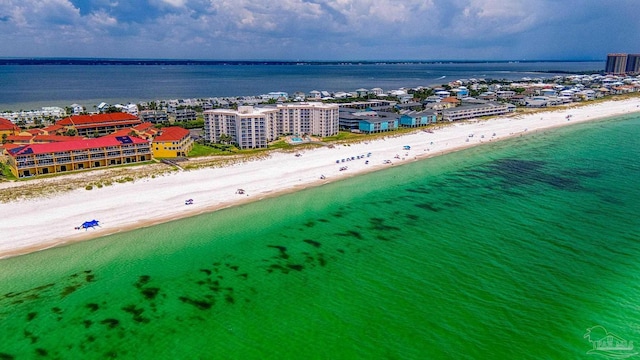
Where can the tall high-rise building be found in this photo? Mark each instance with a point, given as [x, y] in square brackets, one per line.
[616, 64]
[633, 64]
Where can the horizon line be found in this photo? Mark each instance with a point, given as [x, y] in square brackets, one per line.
[96, 60]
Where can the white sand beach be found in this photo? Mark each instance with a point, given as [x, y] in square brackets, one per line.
[39, 223]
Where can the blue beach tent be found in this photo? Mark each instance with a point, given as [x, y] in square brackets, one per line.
[89, 224]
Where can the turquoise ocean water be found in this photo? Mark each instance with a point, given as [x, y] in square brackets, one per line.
[510, 250]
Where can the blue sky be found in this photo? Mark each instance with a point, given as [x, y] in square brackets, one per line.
[320, 29]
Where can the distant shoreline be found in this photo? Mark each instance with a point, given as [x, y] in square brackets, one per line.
[97, 61]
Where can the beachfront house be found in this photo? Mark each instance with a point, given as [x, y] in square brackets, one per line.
[41, 159]
[377, 91]
[418, 118]
[362, 93]
[315, 95]
[449, 102]
[76, 109]
[172, 142]
[460, 92]
[442, 93]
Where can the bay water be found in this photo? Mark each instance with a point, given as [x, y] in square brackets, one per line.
[509, 250]
[30, 87]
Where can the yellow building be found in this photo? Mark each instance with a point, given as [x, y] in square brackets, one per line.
[172, 142]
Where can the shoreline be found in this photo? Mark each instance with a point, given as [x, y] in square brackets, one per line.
[151, 201]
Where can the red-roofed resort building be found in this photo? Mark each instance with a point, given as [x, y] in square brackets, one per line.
[171, 142]
[39, 159]
[99, 124]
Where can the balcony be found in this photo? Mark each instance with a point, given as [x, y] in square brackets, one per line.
[26, 164]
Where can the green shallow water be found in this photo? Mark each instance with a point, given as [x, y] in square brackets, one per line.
[505, 251]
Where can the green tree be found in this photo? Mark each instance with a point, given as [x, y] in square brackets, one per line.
[225, 139]
[71, 132]
[4, 138]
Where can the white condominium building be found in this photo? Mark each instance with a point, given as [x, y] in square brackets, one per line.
[251, 127]
[312, 118]
[248, 127]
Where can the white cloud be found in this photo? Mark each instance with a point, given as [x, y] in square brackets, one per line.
[315, 28]
[491, 18]
[175, 3]
[101, 18]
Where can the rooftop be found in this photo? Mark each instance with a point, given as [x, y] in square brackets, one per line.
[82, 121]
[8, 125]
[75, 145]
[172, 133]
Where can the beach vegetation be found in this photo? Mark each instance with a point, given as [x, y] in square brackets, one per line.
[281, 144]
[5, 172]
[125, 179]
[343, 135]
[209, 149]
[225, 138]
[191, 124]
[88, 187]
